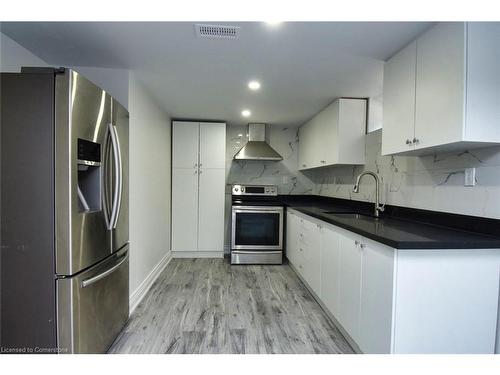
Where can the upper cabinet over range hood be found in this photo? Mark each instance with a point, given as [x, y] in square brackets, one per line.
[256, 148]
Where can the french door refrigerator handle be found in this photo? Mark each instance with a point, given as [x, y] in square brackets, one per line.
[119, 176]
[85, 283]
[105, 198]
[117, 166]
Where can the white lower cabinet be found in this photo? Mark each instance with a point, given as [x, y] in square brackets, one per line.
[399, 301]
[350, 285]
[375, 318]
[291, 238]
[330, 269]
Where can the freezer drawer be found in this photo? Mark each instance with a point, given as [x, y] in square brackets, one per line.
[93, 306]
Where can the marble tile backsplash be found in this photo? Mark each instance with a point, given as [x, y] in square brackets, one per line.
[283, 174]
[434, 182]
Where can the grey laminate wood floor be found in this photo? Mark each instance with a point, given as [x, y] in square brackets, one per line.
[209, 306]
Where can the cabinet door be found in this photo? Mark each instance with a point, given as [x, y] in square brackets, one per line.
[351, 130]
[305, 140]
[329, 135]
[350, 284]
[185, 139]
[312, 256]
[211, 210]
[440, 84]
[330, 269]
[184, 209]
[212, 145]
[291, 238]
[399, 101]
[375, 321]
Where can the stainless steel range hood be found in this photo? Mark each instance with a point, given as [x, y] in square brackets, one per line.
[256, 148]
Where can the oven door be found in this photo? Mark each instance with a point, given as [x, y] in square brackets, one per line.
[257, 228]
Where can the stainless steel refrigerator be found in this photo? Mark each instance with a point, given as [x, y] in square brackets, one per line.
[64, 213]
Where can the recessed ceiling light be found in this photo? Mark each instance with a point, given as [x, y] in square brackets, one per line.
[274, 23]
[240, 135]
[254, 85]
[246, 113]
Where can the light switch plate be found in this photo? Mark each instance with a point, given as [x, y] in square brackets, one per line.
[470, 177]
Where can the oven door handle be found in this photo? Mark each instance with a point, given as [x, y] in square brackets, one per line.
[265, 210]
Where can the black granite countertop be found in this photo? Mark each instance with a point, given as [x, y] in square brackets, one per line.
[402, 228]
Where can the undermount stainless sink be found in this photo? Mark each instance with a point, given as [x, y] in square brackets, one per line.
[352, 215]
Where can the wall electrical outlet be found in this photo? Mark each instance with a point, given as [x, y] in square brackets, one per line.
[470, 177]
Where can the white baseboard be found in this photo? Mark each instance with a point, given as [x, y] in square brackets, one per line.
[197, 254]
[138, 294]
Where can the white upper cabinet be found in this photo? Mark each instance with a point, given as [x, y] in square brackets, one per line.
[442, 91]
[399, 101]
[440, 85]
[212, 145]
[185, 137]
[336, 135]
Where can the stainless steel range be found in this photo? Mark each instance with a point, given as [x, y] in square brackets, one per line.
[257, 225]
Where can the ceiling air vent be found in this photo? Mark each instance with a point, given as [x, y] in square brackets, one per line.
[217, 31]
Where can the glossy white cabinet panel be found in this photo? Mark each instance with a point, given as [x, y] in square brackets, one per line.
[377, 286]
[446, 301]
[440, 85]
[483, 82]
[184, 209]
[292, 230]
[351, 131]
[399, 101]
[330, 269]
[211, 209]
[212, 145]
[350, 285]
[336, 135]
[185, 141]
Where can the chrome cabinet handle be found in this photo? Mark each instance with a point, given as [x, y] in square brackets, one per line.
[303, 165]
[323, 161]
[196, 172]
[408, 142]
[415, 140]
[85, 283]
[362, 245]
[356, 242]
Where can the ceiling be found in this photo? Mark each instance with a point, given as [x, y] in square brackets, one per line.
[302, 66]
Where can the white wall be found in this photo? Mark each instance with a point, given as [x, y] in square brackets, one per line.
[114, 81]
[13, 57]
[150, 130]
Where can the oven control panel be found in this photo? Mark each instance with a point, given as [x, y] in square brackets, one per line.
[266, 190]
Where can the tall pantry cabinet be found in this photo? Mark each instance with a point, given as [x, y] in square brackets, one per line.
[198, 188]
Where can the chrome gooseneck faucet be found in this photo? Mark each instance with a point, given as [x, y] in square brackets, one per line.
[378, 208]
